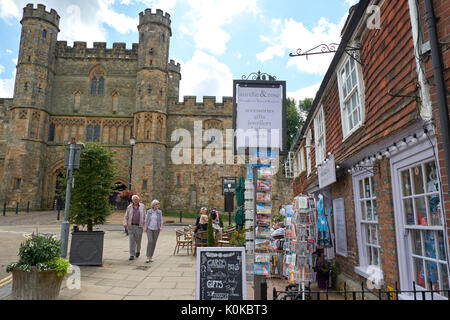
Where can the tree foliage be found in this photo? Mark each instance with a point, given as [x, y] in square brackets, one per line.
[93, 185]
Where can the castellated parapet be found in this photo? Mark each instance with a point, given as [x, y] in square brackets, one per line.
[39, 13]
[99, 49]
[159, 18]
[174, 67]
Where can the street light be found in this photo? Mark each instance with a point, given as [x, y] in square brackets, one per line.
[132, 143]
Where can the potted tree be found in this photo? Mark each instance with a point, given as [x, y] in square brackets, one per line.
[90, 203]
[40, 270]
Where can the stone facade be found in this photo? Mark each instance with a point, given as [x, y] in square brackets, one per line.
[107, 95]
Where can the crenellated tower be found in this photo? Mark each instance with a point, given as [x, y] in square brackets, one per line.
[26, 147]
[150, 117]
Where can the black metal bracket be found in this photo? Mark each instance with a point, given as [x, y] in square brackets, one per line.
[259, 76]
[353, 52]
[373, 169]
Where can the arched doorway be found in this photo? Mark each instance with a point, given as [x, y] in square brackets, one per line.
[114, 200]
[59, 200]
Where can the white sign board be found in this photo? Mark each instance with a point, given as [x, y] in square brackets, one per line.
[259, 114]
[340, 231]
[327, 173]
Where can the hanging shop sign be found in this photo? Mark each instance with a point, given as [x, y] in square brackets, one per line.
[259, 115]
[221, 273]
[340, 230]
[327, 172]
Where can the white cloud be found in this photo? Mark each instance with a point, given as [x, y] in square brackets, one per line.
[7, 84]
[165, 5]
[8, 11]
[205, 74]
[207, 19]
[82, 20]
[307, 92]
[291, 35]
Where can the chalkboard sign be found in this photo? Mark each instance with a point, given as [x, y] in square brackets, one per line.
[221, 273]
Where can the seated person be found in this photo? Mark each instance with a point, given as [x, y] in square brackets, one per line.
[280, 230]
[203, 223]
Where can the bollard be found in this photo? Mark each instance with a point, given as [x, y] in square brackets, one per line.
[17, 208]
[28, 206]
[4, 209]
[264, 290]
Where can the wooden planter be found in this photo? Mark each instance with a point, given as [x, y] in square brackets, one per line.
[86, 248]
[35, 285]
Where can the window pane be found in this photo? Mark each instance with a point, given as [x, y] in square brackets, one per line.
[418, 179]
[369, 210]
[361, 189]
[431, 177]
[368, 230]
[101, 86]
[421, 211]
[353, 76]
[97, 133]
[375, 235]
[444, 279]
[409, 212]
[416, 242]
[367, 188]
[430, 244]
[441, 247]
[433, 278]
[369, 255]
[435, 210]
[374, 210]
[94, 85]
[376, 257]
[419, 274]
[363, 210]
[406, 183]
[89, 133]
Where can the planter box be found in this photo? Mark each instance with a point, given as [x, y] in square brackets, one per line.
[35, 285]
[86, 248]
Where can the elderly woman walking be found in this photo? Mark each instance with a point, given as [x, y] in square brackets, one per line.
[134, 222]
[153, 225]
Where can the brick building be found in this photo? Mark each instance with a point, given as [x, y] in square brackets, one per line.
[107, 95]
[373, 141]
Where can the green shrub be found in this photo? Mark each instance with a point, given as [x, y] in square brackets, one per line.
[238, 238]
[211, 241]
[42, 252]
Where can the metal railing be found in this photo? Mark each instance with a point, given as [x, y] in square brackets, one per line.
[294, 292]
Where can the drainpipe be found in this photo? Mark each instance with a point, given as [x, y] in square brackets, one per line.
[439, 82]
[425, 110]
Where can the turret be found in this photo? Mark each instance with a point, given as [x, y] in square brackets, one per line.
[36, 59]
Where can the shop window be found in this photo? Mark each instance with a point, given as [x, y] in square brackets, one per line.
[319, 136]
[368, 226]
[350, 92]
[424, 223]
[308, 151]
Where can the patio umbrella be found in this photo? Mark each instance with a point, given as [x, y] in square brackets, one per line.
[239, 216]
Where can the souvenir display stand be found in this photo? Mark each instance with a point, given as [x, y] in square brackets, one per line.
[300, 243]
[263, 219]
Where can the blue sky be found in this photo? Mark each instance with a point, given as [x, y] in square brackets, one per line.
[215, 41]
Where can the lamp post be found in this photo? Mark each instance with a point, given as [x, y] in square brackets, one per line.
[132, 143]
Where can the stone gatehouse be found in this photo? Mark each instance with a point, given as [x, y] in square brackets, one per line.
[107, 95]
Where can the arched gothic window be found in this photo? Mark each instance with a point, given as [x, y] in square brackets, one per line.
[97, 80]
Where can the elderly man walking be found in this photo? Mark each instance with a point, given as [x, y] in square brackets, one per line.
[134, 222]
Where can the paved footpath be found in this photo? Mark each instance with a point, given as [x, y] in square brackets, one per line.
[168, 277]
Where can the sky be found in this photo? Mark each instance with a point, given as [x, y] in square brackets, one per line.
[215, 41]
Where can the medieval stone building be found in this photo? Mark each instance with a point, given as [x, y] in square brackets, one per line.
[106, 95]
